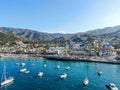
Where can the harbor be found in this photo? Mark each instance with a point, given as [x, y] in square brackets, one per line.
[58, 74]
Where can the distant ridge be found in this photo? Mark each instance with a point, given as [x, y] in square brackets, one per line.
[35, 35]
[31, 34]
[105, 30]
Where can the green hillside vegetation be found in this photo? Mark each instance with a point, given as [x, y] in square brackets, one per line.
[10, 39]
[7, 39]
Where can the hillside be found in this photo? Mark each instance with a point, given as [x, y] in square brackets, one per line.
[31, 34]
[11, 39]
[7, 38]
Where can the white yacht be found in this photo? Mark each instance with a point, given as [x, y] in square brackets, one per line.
[86, 81]
[64, 75]
[40, 74]
[58, 66]
[45, 65]
[67, 68]
[26, 72]
[111, 86]
[23, 70]
[23, 64]
[4, 80]
[99, 72]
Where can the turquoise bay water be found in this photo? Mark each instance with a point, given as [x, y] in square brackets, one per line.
[51, 78]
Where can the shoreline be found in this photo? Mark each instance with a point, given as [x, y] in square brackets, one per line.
[65, 58]
[14, 56]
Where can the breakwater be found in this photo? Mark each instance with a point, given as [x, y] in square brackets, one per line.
[87, 59]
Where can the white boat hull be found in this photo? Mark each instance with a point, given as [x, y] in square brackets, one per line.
[112, 86]
[23, 70]
[63, 76]
[23, 64]
[45, 65]
[40, 74]
[100, 73]
[67, 68]
[86, 82]
[7, 81]
[27, 72]
[58, 67]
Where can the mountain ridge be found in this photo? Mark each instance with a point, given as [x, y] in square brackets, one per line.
[35, 35]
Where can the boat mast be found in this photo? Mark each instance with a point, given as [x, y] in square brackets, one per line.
[86, 70]
[4, 71]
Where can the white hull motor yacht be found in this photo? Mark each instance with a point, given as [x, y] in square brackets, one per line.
[67, 68]
[63, 76]
[99, 72]
[111, 86]
[58, 66]
[40, 74]
[23, 70]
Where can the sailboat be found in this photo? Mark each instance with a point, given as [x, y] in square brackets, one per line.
[99, 72]
[86, 80]
[4, 80]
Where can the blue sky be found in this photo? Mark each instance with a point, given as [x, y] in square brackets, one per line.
[63, 16]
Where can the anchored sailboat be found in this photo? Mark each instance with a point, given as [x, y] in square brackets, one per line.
[4, 80]
[86, 80]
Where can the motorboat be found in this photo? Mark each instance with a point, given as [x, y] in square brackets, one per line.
[64, 75]
[99, 72]
[40, 74]
[111, 86]
[23, 64]
[4, 80]
[45, 65]
[67, 68]
[26, 72]
[86, 81]
[23, 70]
[58, 66]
